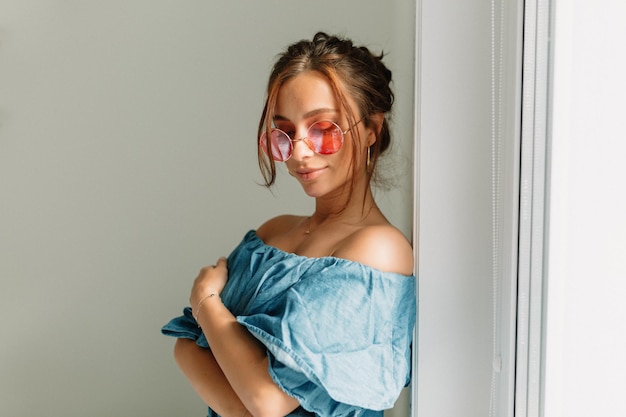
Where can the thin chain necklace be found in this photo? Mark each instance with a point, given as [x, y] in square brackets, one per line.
[308, 230]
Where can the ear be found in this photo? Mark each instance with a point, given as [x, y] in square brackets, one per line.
[376, 121]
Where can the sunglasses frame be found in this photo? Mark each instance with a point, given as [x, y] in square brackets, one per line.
[263, 139]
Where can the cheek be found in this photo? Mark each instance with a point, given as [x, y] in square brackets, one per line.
[347, 157]
[290, 165]
[344, 163]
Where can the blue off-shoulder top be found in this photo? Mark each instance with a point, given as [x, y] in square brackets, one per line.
[338, 333]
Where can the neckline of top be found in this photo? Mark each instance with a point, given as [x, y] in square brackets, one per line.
[329, 258]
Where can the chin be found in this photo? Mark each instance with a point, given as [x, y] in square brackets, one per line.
[317, 191]
[313, 190]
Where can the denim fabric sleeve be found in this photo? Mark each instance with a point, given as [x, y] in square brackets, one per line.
[185, 327]
[339, 338]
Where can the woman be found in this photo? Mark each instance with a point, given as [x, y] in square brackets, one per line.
[310, 315]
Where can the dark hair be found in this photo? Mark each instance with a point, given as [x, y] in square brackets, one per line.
[347, 67]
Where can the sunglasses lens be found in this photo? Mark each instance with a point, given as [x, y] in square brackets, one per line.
[326, 137]
[280, 144]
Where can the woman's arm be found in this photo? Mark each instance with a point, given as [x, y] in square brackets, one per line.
[241, 357]
[207, 379]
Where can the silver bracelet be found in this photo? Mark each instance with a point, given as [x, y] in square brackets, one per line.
[197, 310]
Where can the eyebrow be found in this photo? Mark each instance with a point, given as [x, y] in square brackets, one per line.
[308, 114]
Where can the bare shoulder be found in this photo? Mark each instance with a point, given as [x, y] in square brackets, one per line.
[380, 246]
[277, 226]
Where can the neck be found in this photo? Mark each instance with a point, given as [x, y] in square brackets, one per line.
[342, 208]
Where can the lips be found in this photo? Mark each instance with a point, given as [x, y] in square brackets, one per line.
[309, 174]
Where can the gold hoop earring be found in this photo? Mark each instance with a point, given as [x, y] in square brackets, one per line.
[368, 158]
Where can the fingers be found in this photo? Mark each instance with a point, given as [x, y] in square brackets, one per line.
[211, 279]
[221, 262]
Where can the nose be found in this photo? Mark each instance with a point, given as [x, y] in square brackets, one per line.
[301, 149]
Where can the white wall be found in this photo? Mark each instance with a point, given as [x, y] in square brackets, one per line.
[127, 161]
[585, 337]
[455, 320]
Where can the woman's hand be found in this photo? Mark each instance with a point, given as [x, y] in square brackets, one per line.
[210, 280]
[232, 346]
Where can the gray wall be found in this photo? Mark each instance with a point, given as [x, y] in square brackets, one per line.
[127, 161]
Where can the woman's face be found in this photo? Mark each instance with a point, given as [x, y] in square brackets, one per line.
[302, 101]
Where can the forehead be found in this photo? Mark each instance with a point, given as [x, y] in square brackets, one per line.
[305, 94]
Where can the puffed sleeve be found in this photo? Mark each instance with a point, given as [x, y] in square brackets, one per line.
[339, 336]
[185, 327]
